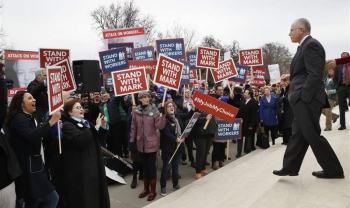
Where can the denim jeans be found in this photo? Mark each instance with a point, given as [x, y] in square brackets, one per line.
[49, 200]
[174, 165]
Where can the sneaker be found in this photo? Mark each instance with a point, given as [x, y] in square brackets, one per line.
[198, 175]
[163, 191]
[204, 172]
[177, 187]
[183, 162]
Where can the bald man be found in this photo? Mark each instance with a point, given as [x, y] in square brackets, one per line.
[307, 97]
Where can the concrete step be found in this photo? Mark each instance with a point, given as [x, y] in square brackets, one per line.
[249, 182]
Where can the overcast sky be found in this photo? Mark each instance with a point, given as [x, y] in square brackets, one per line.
[66, 24]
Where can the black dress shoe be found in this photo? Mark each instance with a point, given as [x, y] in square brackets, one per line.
[322, 174]
[341, 128]
[238, 155]
[284, 172]
[336, 118]
[283, 143]
[206, 163]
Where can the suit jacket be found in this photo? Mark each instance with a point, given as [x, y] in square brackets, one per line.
[306, 73]
[249, 114]
[338, 77]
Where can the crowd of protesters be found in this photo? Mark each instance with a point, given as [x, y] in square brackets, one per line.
[34, 171]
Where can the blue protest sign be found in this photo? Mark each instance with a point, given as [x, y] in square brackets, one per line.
[190, 125]
[128, 45]
[113, 60]
[143, 53]
[109, 81]
[241, 74]
[185, 77]
[227, 131]
[173, 48]
[191, 57]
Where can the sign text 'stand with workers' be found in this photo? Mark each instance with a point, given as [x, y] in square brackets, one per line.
[113, 60]
[173, 48]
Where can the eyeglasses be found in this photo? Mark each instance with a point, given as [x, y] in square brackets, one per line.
[170, 106]
[79, 107]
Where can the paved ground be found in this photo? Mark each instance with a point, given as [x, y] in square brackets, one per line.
[122, 196]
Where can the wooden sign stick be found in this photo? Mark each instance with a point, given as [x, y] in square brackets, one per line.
[164, 96]
[59, 138]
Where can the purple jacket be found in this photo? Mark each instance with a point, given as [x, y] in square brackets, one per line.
[143, 128]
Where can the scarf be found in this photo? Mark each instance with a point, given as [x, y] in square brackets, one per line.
[177, 127]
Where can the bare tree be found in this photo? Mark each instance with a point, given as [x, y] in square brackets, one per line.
[179, 30]
[233, 48]
[124, 15]
[276, 53]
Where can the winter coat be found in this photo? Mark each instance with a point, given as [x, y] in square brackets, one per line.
[268, 111]
[84, 173]
[168, 135]
[144, 123]
[25, 139]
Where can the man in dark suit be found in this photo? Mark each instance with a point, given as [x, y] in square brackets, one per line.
[38, 88]
[248, 112]
[341, 82]
[307, 97]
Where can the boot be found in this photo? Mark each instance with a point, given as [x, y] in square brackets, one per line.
[133, 183]
[145, 191]
[153, 194]
[214, 166]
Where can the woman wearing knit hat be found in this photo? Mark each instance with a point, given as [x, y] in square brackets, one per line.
[146, 119]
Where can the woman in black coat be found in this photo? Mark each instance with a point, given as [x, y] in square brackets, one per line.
[84, 174]
[33, 185]
[169, 140]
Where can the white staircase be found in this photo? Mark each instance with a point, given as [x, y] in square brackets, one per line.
[249, 182]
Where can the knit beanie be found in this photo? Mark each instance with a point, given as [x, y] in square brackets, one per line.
[143, 94]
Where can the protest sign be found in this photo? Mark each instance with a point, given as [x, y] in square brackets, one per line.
[227, 69]
[241, 74]
[168, 72]
[135, 35]
[259, 77]
[150, 66]
[49, 57]
[214, 106]
[143, 53]
[193, 74]
[190, 125]
[194, 81]
[113, 60]
[207, 57]
[187, 131]
[191, 56]
[21, 67]
[129, 81]
[251, 57]
[275, 76]
[54, 88]
[68, 82]
[128, 45]
[228, 131]
[173, 48]
[109, 81]
[185, 77]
